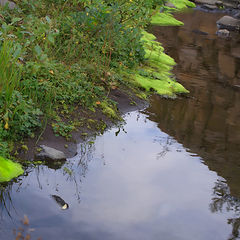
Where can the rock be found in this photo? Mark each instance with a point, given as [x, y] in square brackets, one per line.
[210, 2]
[49, 153]
[219, 4]
[229, 23]
[224, 33]
[11, 5]
[230, 3]
[237, 15]
[210, 7]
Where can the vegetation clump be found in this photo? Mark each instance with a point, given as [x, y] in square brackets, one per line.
[156, 72]
[9, 169]
[56, 55]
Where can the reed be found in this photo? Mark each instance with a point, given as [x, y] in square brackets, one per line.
[9, 73]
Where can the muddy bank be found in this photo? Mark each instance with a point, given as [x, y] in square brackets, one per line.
[170, 171]
[90, 124]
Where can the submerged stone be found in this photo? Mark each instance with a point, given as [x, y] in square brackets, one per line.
[9, 169]
[229, 23]
[224, 33]
[49, 153]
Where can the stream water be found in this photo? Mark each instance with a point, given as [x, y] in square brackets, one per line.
[172, 171]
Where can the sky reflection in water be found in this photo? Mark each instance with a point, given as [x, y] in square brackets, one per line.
[141, 184]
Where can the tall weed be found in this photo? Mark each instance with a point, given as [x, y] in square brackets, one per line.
[9, 72]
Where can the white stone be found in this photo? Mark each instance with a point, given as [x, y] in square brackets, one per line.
[51, 153]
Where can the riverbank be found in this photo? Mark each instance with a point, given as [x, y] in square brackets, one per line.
[67, 66]
[176, 158]
[90, 124]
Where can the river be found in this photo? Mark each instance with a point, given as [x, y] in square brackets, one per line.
[171, 171]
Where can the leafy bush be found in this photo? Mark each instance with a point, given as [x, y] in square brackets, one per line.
[57, 53]
[20, 118]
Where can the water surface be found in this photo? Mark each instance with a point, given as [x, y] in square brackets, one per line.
[208, 121]
[170, 172]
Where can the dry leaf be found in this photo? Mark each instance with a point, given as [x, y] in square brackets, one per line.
[6, 126]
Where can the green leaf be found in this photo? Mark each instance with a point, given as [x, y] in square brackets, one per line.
[38, 50]
[51, 39]
[16, 20]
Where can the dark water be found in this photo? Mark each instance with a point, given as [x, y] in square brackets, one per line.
[208, 122]
[171, 171]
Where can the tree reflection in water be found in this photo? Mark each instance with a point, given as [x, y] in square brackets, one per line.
[223, 201]
[73, 171]
[6, 204]
[165, 142]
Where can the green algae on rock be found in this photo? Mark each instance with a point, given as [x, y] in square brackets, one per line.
[165, 19]
[9, 169]
[182, 4]
[156, 73]
[108, 109]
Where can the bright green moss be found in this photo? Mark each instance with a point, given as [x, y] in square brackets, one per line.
[9, 170]
[108, 110]
[147, 37]
[182, 4]
[165, 87]
[158, 67]
[156, 73]
[165, 19]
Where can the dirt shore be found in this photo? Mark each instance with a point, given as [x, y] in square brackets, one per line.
[126, 102]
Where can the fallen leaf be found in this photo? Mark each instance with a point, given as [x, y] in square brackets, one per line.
[6, 126]
[51, 71]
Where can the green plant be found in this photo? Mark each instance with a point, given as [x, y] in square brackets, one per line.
[9, 77]
[57, 55]
[18, 115]
[63, 129]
